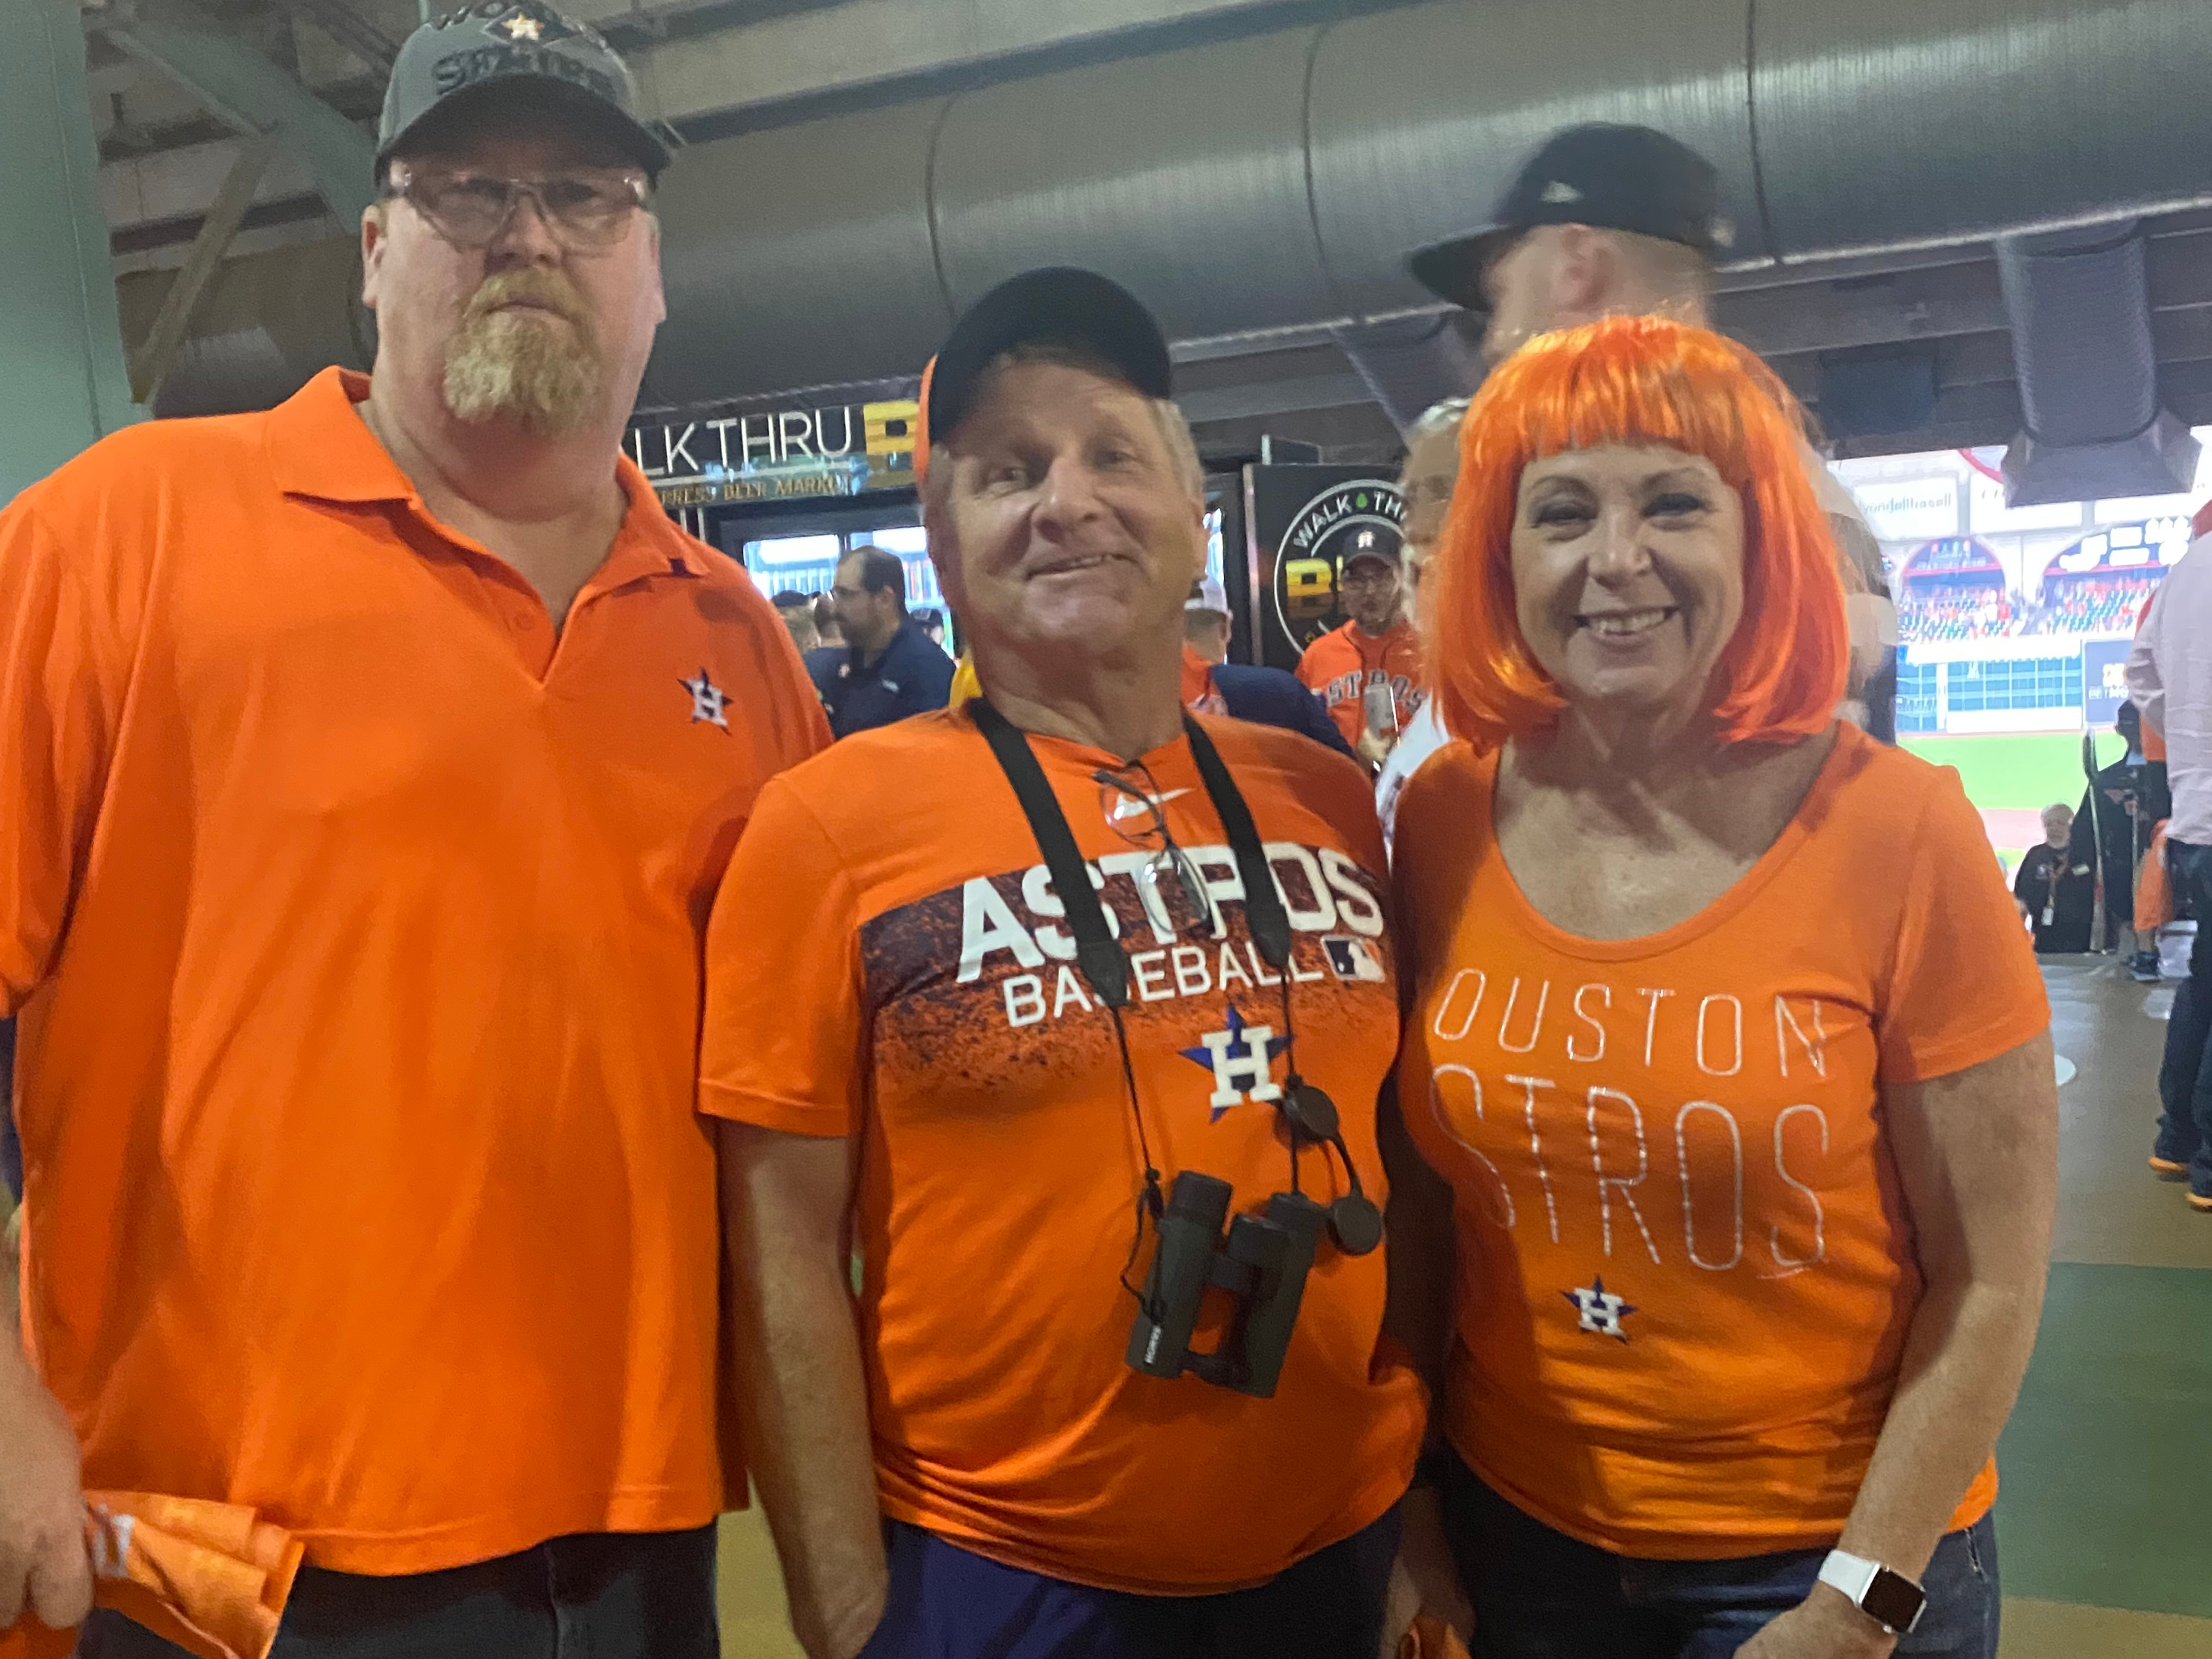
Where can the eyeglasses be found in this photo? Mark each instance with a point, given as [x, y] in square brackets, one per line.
[586, 212]
[839, 591]
[1196, 915]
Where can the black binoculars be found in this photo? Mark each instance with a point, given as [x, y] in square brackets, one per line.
[1263, 1265]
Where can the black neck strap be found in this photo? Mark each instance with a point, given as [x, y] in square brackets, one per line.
[1104, 963]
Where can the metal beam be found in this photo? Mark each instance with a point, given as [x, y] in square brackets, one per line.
[803, 62]
[250, 95]
[60, 336]
[151, 365]
[1233, 402]
[359, 36]
[1832, 316]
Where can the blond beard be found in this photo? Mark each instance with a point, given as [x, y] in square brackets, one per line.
[521, 366]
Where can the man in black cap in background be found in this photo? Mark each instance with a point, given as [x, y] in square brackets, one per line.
[1606, 219]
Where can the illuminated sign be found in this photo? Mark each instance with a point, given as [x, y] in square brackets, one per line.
[1344, 520]
[2128, 547]
[844, 449]
[1910, 509]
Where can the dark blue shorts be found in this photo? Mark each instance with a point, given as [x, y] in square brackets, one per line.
[950, 1603]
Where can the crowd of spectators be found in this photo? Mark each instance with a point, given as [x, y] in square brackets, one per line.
[2097, 605]
[1954, 613]
[2088, 606]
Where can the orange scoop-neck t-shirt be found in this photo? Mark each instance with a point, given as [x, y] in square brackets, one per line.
[354, 919]
[925, 1000]
[1685, 1270]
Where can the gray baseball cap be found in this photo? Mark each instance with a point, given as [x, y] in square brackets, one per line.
[516, 49]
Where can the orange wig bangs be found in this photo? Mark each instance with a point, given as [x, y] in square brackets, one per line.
[1639, 380]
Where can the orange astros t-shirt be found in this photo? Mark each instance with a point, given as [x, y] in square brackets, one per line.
[925, 997]
[1685, 1273]
[354, 920]
[1343, 662]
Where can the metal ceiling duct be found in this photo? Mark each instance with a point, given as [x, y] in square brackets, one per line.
[2089, 371]
[268, 323]
[1277, 180]
[1410, 364]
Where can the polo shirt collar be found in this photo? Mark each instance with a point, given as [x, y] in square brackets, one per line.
[907, 627]
[320, 448]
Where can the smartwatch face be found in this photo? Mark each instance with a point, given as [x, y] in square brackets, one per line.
[1894, 1599]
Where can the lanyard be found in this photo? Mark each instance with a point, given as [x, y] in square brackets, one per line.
[1103, 961]
[1353, 1221]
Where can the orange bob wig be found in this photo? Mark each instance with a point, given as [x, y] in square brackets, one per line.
[1639, 380]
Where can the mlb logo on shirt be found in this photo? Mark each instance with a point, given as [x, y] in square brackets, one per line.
[1354, 958]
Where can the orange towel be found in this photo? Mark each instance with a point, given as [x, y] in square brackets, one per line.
[1431, 1638]
[211, 1577]
[2154, 892]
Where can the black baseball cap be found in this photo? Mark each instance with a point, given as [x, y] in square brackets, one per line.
[1058, 305]
[1610, 177]
[1366, 546]
[519, 49]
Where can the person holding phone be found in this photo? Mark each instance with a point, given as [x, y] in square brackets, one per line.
[1369, 671]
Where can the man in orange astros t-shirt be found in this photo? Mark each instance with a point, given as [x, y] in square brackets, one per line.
[968, 1460]
[369, 764]
[1377, 648]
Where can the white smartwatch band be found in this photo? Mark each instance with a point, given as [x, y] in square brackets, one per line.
[1852, 1574]
[1883, 1593]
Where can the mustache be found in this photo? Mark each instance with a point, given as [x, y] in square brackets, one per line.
[533, 287]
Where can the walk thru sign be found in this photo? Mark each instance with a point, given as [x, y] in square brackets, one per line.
[1301, 523]
[842, 449]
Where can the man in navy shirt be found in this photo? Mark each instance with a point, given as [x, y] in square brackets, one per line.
[1268, 696]
[890, 669]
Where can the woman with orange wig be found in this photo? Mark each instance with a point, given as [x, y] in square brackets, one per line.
[1726, 1158]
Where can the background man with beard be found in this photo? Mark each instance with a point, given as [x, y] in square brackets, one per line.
[890, 668]
[369, 764]
[1377, 648]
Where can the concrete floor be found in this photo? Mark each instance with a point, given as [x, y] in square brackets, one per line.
[2105, 1525]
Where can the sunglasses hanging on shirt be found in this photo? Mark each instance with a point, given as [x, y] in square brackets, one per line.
[1264, 1261]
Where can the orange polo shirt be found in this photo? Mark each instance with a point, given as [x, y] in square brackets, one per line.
[1343, 662]
[1685, 1273]
[925, 1001]
[354, 924]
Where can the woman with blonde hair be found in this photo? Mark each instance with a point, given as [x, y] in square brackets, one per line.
[1729, 1060]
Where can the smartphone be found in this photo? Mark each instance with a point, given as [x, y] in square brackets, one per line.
[1381, 710]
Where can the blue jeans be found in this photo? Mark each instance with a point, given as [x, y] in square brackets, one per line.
[599, 1595]
[1540, 1594]
[950, 1603]
[2185, 1081]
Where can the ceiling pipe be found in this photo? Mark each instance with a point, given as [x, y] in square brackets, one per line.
[1274, 183]
[2087, 370]
[1412, 364]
